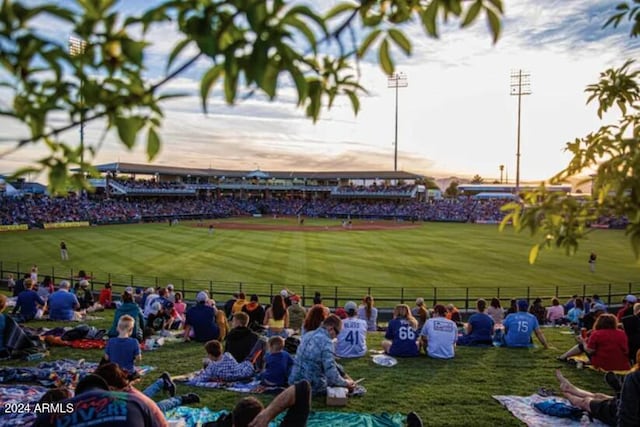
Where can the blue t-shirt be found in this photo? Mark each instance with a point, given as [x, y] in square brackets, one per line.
[202, 319]
[519, 327]
[403, 338]
[27, 303]
[123, 352]
[481, 327]
[61, 305]
[2, 326]
[277, 368]
[352, 340]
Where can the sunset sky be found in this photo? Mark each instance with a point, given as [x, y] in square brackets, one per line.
[456, 116]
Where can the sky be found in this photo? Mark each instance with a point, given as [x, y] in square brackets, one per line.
[456, 117]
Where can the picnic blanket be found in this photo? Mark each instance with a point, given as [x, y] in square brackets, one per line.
[586, 363]
[522, 408]
[199, 416]
[56, 373]
[252, 386]
[18, 393]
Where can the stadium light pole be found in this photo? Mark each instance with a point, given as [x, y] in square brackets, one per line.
[77, 47]
[501, 172]
[396, 81]
[520, 85]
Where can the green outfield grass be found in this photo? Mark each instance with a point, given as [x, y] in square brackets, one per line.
[448, 257]
[444, 393]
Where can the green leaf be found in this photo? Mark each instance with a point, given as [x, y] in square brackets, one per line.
[472, 13]
[494, 24]
[366, 43]
[133, 50]
[429, 18]
[208, 80]
[300, 82]
[153, 144]
[179, 47]
[533, 254]
[128, 128]
[401, 40]
[355, 102]
[339, 9]
[385, 58]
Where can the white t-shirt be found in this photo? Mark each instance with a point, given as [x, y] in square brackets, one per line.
[441, 336]
[352, 341]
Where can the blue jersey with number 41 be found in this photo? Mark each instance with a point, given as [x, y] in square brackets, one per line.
[403, 338]
[352, 341]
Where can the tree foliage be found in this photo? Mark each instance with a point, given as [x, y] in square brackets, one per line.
[477, 179]
[611, 154]
[250, 46]
[452, 190]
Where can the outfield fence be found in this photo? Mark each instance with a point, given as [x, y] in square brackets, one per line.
[334, 295]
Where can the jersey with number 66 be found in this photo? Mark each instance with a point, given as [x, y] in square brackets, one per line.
[519, 327]
[403, 338]
[352, 341]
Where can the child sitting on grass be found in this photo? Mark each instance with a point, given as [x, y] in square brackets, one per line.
[124, 350]
[221, 366]
[278, 364]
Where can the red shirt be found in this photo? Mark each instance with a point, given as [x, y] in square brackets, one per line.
[611, 349]
[105, 297]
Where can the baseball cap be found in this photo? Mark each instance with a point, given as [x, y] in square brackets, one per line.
[284, 293]
[156, 307]
[129, 290]
[150, 290]
[254, 298]
[350, 306]
[202, 296]
[170, 286]
[523, 304]
[419, 301]
[630, 299]
[598, 307]
[295, 298]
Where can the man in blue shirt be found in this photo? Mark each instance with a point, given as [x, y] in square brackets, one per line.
[202, 318]
[27, 303]
[62, 303]
[479, 328]
[519, 327]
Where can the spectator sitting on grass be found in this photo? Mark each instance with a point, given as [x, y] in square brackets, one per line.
[315, 361]
[255, 311]
[124, 350]
[538, 310]
[4, 353]
[278, 364]
[606, 346]
[313, 320]
[453, 314]
[240, 339]
[201, 320]
[128, 308]
[574, 316]
[479, 328]
[27, 303]
[439, 335]
[239, 303]
[62, 303]
[495, 311]
[85, 295]
[276, 318]
[222, 366]
[420, 312]
[555, 313]
[297, 314]
[352, 341]
[106, 298]
[369, 313]
[519, 326]
[401, 337]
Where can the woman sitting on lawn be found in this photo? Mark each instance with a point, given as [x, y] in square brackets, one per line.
[479, 329]
[132, 309]
[555, 313]
[276, 318]
[401, 337]
[369, 313]
[314, 318]
[606, 346]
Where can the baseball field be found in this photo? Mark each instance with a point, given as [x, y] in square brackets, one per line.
[392, 260]
[323, 255]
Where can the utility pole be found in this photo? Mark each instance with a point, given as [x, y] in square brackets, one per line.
[520, 85]
[501, 172]
[396, 81]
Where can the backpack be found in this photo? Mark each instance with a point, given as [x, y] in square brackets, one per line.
[76, 333]
[291, 344]
[558, 409]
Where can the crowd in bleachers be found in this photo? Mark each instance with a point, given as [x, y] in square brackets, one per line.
[39, 210]
[376, 189]
[150, 184]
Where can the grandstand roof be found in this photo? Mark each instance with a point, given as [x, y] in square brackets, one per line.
[135, 168]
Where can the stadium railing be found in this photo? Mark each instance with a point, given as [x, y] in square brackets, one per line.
[334, 295]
